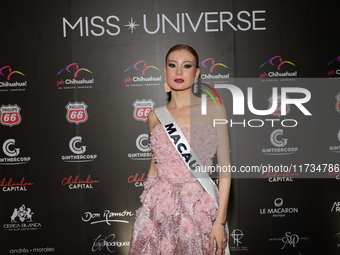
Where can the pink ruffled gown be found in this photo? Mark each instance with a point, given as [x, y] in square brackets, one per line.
[176, 213]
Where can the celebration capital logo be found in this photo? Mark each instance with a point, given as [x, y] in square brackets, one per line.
[141, 67]
[138, 179]
[74, 69]
[76, 182]
[8, 185]
[210, 64]
[10, 115]
[277, 62]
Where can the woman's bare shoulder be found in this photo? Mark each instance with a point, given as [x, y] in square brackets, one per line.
[152, 120]
[216, 109]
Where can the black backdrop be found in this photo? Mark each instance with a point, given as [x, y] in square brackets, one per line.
[78, 78]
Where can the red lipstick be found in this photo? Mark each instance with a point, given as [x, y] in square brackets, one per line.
[179, 80]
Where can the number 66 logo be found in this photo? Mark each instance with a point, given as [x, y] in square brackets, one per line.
[10, 115]
[76, 112]
[142, 108]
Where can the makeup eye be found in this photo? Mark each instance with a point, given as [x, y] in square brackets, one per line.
[187, 66]
[171, 65]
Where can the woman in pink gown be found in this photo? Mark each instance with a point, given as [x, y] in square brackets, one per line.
[177, 215]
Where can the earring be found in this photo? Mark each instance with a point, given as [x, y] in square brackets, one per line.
[166, 86]
[195, 86]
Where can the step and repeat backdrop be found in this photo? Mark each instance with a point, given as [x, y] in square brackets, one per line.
[78, 79]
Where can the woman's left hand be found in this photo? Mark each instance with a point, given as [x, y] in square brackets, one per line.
[218, 235]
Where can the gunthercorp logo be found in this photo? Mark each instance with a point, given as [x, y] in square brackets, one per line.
[142, 74]
[144, 148]
[210, 69]
[76, 112]
[22, 220]
[12, 152]
[280, 142]
[76, 146]
[276, 67]
[334, 68]
[336, 148]
[74, 77]
[278, 110]
[10, 115]
[142, 108]
[11, 80]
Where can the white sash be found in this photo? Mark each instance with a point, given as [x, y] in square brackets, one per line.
[182, 147]
[188, 156]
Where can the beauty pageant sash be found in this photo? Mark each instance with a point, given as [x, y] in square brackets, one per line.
[182, 147]
[188, 156]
